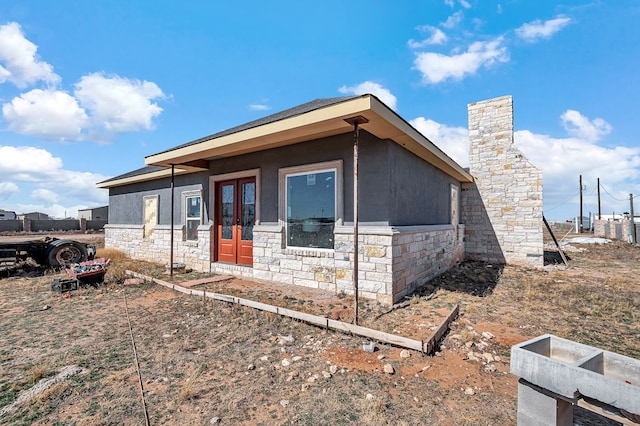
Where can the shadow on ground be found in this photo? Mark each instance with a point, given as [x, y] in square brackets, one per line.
[554, 258]
[470, 277]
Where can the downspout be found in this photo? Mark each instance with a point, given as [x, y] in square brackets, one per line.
[171, 231]
[356, 133]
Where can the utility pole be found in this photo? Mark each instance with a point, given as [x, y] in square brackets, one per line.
[580, 230]
[632, 225]
[599, 211]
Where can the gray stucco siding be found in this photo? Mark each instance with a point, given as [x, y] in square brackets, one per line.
[420, 193]
[126, 202]
[373, 172]
[395, 186]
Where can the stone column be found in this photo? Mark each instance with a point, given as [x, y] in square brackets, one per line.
[502, 209]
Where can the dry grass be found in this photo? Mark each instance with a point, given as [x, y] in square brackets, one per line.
[201, 359]
[39, 371]
[189, 387]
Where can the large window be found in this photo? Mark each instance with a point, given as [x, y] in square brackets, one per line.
[312, 204]
[193, 213]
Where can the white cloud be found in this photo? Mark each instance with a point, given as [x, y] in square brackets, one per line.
[436, 67]
[100, 105]
[437, 37]
[7, 189]
[19, 63]
[50, 114]
[259, 107]
[562, 160]
[536, 30]
[47, 197]
[581, 127]
[27, 163]
[375, 89]
[119, 104]
[453, 20]
[463, 3]
[454, 141]
[51, 183]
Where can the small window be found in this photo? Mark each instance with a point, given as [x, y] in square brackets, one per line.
[311, 204]
[193, 214]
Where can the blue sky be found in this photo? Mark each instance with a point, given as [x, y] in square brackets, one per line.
[89, 88]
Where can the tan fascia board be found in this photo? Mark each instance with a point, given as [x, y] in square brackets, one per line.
[325, 121]
[160, 174]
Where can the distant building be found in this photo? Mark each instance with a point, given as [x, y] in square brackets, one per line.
[96, 213]
[34, 216]
[7, 215]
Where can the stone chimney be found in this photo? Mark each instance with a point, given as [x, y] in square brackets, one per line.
[502, 209]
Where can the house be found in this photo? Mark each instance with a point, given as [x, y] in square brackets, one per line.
[95, 213]
[273, 200]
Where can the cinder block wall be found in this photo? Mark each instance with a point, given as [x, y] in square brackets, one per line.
[616, 230]
[502, 209]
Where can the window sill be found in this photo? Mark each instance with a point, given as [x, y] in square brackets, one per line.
[310, 252]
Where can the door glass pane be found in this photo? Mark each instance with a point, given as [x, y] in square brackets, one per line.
[311, 209]
[227, 212]
[248, 210]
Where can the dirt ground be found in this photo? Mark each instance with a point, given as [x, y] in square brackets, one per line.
[207, 362]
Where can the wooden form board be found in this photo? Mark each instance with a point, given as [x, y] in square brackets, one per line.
[424, 346]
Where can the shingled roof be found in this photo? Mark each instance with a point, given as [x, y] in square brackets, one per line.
[288, 113]
[312, 120]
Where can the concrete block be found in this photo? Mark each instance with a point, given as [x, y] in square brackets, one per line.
[572, 370]
[535, 407]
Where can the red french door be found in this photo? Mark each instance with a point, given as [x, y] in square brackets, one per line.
[235, 207]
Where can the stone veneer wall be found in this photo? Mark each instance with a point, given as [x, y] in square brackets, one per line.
[393, 261]
[502, 209]
[129, 239]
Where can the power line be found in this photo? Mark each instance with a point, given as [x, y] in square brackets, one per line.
[609, 194]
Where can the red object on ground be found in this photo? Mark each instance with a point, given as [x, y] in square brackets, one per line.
[89, 272]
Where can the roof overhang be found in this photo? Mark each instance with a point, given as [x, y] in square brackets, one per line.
[323, 122]
[182, 169]
[319, 123]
